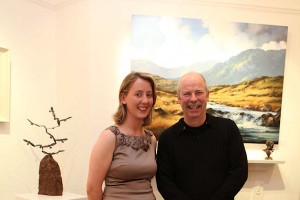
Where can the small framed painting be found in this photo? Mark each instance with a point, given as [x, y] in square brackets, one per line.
[4, 85]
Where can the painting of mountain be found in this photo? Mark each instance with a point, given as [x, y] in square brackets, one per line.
[243, 65]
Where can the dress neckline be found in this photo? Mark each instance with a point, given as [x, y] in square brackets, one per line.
[118, 129]
[135, 142]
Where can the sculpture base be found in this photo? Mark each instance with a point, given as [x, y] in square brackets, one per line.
[50, 181]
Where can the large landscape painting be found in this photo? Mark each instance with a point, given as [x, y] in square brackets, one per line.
[243, 65]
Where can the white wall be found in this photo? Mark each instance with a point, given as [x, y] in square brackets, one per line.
[91, 51]
[27, 30]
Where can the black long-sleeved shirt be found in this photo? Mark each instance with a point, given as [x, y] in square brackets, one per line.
[201, 163]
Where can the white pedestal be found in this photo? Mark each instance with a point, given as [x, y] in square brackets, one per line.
[65, 196]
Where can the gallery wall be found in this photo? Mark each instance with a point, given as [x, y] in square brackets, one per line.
[28, 31]
[73, 57]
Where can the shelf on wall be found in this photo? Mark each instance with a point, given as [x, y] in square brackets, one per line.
[266, 161]
[259, 157]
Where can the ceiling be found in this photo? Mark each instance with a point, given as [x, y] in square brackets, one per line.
[292, 6]
[51, 3]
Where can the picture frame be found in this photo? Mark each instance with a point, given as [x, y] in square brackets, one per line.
[4, 85]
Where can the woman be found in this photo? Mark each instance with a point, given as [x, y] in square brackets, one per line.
[124, 154]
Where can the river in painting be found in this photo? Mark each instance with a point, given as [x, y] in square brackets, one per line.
[248, 122]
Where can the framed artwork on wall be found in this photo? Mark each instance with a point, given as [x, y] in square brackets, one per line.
[4, 85]
[243, 64]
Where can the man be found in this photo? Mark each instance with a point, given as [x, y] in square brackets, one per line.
[201, 157]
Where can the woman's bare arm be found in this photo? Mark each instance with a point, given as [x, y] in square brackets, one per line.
[100, 159]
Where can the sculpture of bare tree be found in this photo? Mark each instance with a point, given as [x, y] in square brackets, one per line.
[55, 141]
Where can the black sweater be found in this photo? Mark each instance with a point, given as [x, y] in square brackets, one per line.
[201, 163]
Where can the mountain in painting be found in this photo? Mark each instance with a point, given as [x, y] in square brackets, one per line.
[249, 64]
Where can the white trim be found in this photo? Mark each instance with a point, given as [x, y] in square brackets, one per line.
[52, 4]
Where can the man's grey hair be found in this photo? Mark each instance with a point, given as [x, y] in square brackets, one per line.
[188, 73]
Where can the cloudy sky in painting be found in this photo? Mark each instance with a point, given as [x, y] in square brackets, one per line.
[172, 42]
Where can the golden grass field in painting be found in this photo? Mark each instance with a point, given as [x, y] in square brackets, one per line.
[257, 94]
[167, 112]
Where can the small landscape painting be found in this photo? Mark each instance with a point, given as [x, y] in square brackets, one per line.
[243, 64]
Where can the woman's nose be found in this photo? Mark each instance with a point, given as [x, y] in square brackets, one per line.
[145, 99]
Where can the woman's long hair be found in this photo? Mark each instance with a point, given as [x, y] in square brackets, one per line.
[120, 116]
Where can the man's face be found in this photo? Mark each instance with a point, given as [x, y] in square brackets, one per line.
[193, 97]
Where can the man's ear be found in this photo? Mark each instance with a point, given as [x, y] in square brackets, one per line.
[179, 98]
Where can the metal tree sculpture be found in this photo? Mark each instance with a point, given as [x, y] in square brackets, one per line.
[50, 180]
[43, 147]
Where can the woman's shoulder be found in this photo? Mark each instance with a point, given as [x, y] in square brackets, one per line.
[114, 129]
[106, 138]
[150, 135]
[148, 132]
[107, 133]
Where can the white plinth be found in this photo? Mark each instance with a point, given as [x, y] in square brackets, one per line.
[65, 196]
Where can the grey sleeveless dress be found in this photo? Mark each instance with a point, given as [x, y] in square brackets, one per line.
[132, 168]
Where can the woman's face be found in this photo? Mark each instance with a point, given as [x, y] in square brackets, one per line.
[139, 100]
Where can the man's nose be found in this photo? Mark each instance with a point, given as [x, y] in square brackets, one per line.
[193, 97]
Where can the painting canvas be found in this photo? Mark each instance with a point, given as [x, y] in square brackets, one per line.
[243, 64]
